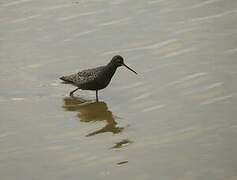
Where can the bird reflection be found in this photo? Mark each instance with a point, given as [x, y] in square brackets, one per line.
[95, 111]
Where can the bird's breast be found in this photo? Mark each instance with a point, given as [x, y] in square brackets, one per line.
[100, 80]
[104, 78]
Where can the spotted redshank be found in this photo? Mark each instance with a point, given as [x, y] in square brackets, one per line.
[97, 78]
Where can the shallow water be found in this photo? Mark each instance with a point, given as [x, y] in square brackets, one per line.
[175, 120]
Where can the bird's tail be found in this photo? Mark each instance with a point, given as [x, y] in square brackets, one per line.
[65, 79]
[62, 78]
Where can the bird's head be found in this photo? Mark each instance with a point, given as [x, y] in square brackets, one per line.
[118, 61]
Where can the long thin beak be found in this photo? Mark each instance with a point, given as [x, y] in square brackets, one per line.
[129, 68]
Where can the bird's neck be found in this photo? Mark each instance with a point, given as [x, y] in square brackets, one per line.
[111, 68]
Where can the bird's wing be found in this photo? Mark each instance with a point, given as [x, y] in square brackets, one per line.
[89, 75]
[83, 77]
[86, 73]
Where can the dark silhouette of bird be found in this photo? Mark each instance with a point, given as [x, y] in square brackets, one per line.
[97, 78]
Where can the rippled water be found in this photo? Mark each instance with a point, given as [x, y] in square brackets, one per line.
[175, 120]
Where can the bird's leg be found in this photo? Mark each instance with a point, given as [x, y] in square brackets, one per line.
[71, 93]
[96, 95]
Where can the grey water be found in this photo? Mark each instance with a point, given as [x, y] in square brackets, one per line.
[175, 120]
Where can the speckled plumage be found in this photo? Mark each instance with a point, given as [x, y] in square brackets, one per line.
[96, 78]
[90, 79]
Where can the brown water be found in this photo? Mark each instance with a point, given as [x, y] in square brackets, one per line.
[175, 120]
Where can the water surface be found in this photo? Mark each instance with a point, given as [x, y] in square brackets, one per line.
[175, 120]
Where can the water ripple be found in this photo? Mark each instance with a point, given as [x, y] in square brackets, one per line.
[115, 21]
[205, 88]
[80, 34]
[208, 2]
[230, 51]
[79, 15]
[25, 19]
[187, 78]
[217, 99]
[60, 6]
[15, 2]
[180, 52]
[213, 16]
[142, 96]
[146, 47]
[135, 85]
[155, 1]
[159, 106]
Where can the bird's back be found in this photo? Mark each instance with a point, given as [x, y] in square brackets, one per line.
[90, 79]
